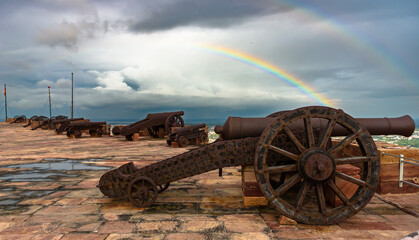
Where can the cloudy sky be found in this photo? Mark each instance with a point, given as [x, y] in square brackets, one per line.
[133, 57]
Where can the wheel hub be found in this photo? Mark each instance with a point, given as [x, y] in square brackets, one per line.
[316, 165]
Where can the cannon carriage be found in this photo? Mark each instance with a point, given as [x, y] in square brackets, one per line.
[76, 129]
[184, 136]
[63, 124]
[296, 163]
[157, 124]
[19, 119]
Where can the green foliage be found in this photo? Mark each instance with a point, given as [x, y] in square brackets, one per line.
[406, 142]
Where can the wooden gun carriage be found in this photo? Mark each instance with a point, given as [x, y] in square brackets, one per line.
[75, 129]
[295, 162]
[185, 135]
[64, 124]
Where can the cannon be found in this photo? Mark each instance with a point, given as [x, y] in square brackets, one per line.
[47, 123]
[64, 124]
[33, 118]
[186, 135]
[19, 119]
[295, 161]
[76, 129]
[153, 123]
[39, 122]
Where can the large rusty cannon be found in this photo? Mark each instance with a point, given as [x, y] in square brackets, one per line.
[295, 161]
[153, 123]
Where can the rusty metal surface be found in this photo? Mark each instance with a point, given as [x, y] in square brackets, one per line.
[206, 158]
[153, 122]
[309, 171]
[297, 167]
[236, 127]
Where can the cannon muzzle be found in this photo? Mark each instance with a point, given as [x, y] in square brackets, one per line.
[236, 127]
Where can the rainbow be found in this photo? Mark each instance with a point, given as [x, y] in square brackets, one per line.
[269, 68]
[369, 49]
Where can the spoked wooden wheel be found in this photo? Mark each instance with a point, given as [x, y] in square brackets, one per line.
[303, 175]
[203, 138]
[173, 121]
[142, 192]
[183, 142]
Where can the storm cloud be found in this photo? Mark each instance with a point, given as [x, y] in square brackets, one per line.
[134, 57]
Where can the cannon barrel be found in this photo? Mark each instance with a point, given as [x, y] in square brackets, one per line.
[189, 128]
[55, 121]
[86, 124]
[163, 114]
[236, 127]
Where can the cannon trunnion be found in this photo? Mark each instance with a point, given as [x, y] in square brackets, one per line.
[297, 166]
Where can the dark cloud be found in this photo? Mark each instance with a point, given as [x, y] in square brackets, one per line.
[204, 13]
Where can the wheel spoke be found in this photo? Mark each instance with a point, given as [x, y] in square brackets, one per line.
[281, 151]
[288, 184]
[279, 169]
[301, 195]
[353, 160]
[353, 180]
[309, 131]
[321, 201]
[340, 194]
[293, 138]
[328, 132]
[347, 140]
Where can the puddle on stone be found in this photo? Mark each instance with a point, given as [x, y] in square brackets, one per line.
[49, 170]
[9, 202]
[35, 193]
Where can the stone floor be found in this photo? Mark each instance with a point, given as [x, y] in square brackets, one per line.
[58, 199]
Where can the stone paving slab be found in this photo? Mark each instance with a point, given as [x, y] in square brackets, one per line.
[69, 206]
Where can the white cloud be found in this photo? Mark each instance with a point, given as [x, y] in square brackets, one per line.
[110, 80]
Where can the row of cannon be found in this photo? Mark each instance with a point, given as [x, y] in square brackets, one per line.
[157, 125]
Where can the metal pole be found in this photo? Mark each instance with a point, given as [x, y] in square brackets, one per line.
[72, 86]
[401, 170]
[5, 100]
[49, 95]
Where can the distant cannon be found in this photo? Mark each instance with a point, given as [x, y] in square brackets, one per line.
[296, 164]
[19, 119]
[157, 125]
[46, 123]
[96, 129]
[30, 120]
[39, 122]
[65, 123]
[185, 135]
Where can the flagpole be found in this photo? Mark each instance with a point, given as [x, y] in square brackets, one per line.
[49, 95]
[5, 100]
[72, 85]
